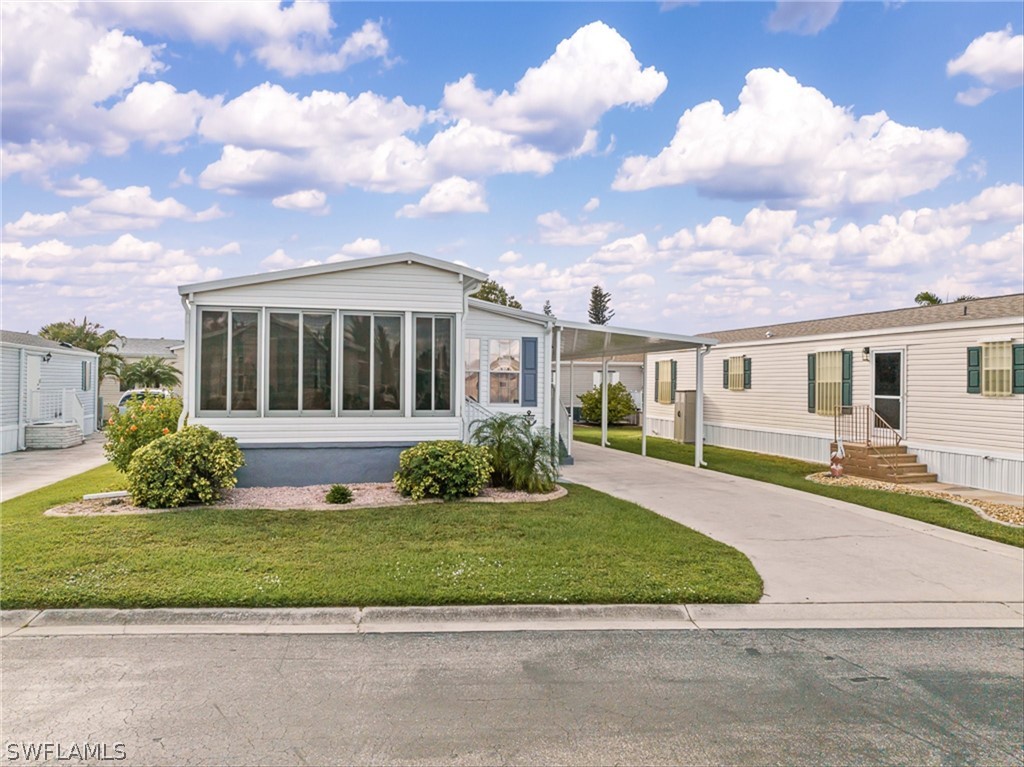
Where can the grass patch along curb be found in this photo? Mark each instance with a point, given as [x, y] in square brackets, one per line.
[792, 473]
[585, 548]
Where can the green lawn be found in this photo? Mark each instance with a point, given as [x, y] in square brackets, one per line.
[790, 473]
[585, 548]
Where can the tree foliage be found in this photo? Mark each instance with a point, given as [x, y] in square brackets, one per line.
[91, 337]
[620, 404]
[927, 298]
[493, 292]
[150, 372]
[600, 311]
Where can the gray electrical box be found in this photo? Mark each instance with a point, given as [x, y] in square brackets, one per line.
[686, 416]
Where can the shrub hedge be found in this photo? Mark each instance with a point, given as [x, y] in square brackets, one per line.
[443, 469]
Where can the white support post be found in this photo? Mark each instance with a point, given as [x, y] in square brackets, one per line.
[604, 402]
[698, 440]
[572, 420]
[643, 410]
[557, 408]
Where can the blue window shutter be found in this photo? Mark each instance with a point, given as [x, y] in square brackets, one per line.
[725, 373]
[974, 370]
[847, 379]
[672, 396]
[746, 372]
[529, 371]
[811, 359]
[1018, 368]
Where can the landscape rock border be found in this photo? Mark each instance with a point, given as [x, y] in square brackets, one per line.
[308, 498]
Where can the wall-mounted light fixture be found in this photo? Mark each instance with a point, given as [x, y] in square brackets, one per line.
[865, 354]
[47, 357]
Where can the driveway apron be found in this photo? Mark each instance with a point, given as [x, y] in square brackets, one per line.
[29, 470]
[808, 548]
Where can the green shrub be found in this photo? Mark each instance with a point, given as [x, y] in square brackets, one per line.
[339, 494]
[522, 457]
[190, 466]
[620, 404]
[144, 421]
[442, 469]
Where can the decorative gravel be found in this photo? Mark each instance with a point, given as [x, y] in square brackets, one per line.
[1005, 513]
[310, 498]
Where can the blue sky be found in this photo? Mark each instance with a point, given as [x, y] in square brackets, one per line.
[712, 165]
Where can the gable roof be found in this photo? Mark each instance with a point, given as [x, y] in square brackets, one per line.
[338, 266]
[14, 338]
[510, 311]
[147, 347]
[997, 307]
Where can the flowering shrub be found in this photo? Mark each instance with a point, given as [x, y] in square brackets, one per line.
[443, 469]
[142, 422]
[189, 466]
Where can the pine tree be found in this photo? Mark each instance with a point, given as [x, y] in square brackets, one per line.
[600, 311]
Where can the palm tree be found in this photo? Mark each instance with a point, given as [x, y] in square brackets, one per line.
[927, 298]
[150, 372]
[88, 336]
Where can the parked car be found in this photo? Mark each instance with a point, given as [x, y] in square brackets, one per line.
[134, 395]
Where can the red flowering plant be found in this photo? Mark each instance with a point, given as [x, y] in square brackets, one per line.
[143, 421]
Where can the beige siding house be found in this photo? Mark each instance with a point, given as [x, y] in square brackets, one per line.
[948, 378]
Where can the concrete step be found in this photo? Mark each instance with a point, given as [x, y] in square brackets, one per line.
[917, 477]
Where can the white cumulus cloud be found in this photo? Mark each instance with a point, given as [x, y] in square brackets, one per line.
[556, 229]
[309, 200]
[452, 195]
[996, 59]
[787, 142]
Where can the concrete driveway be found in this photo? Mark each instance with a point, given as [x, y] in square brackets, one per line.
[29, 470]
[808, 548]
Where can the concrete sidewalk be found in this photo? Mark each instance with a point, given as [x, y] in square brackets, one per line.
[29, 470]
[809, 548]
[504, 618]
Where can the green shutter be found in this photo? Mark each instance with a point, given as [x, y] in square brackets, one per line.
[847, 379]
[1018, 368]
[974, 370]
[746, 372]
[725, 373]
[672, 387]
[811, 359]
[657, 380]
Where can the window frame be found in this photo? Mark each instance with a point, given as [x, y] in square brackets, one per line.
[493, 347]
[659, 366]
[479, 370]
[299, 411]
[988, 369]
[372, 411]
[433, 317]
[228, 412]
[832, 397]
[737, 373]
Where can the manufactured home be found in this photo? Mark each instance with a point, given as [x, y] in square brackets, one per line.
[48, 392]
[326, 373]
[946, 381]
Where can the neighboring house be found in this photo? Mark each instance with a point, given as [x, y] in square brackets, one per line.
[47, 392]
[948, 378]
[133, 350]
[326, 373]
[582, 376]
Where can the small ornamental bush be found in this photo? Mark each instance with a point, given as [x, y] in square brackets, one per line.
[189, 466]
[339, 494]
[523, 457]
[620, 404]
[443, 469]
[144, 421]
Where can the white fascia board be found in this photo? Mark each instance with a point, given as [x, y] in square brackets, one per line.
[339, 266]
[510, 311]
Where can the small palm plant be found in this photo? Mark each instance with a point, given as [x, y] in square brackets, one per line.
[151, 372]
[521, 455]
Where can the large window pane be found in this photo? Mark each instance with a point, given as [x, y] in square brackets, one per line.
[213, 361]
[424, 362]
[473, 369]
[504, 371]
[283, 362]
[244, 351]
[316, 362]
[387, 363]
[442, 363]
[355, 363]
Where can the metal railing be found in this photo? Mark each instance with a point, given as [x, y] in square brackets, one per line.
[861, 424]
[472, 411]
[55, 406]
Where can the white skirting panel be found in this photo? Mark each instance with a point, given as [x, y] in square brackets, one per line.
[661, 427]
[1004, 475]
[9, 439]
[807, 447]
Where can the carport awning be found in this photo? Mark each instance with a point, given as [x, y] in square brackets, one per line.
[581, 340]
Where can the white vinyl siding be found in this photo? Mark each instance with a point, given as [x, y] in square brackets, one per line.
[997, 369]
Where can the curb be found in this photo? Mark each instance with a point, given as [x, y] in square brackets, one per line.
[505, 618]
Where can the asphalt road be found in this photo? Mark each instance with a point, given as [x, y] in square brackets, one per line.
[661, 697]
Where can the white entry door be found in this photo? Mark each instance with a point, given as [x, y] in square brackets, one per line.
[33, 378]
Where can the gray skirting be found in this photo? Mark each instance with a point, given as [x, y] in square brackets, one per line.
[290, 465]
